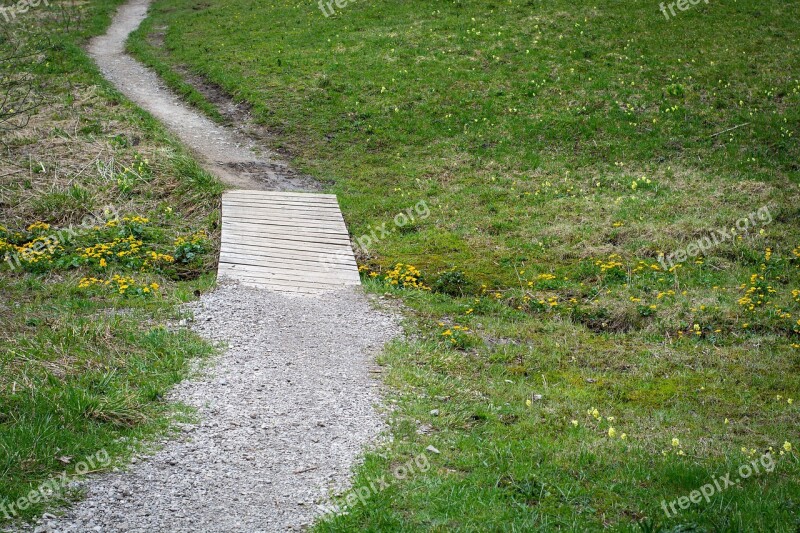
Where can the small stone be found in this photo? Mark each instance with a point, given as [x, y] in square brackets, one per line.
[432, 449]
[434, 412]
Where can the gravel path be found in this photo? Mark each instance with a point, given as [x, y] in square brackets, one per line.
[223, 152]
[286, 411]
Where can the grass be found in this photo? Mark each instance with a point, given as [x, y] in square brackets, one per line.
[106, 227]
[561, 150]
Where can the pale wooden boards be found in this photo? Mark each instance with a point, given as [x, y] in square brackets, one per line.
[286, 241]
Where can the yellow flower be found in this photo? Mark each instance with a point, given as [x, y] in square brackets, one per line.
[787, 446]
[447, 333]
[39, 226]
[623, 436]
[675, 443]
[528, 402]
[575, 423]
[612, 432]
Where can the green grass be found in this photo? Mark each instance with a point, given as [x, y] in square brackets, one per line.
[85, 366]
[561, 148]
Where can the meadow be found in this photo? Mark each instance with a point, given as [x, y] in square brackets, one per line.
[591, 328]
[602, 304]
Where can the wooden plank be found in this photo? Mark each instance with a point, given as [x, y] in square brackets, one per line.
[277, 195]
[289, 278]
[290, 204]
[316, 225]
[270, 232]
[311, 272]
[327, 272]
[280, 194]
[267, 213]
[321, 261]
[286, 219]
[283, 231]
[284, 244]
[337, 257]
[261, 284]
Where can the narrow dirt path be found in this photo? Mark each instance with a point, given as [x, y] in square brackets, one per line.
[285, 411]
[223, 152]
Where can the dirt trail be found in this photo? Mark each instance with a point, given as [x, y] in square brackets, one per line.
[284, 412]
[222, 151]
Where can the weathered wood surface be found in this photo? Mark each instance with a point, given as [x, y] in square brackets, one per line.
[285, 241]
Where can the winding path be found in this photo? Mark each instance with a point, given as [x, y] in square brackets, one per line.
[285, 411]
[222, 151]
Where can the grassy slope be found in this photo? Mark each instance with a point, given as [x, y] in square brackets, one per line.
[523, 126]
[86, 369]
